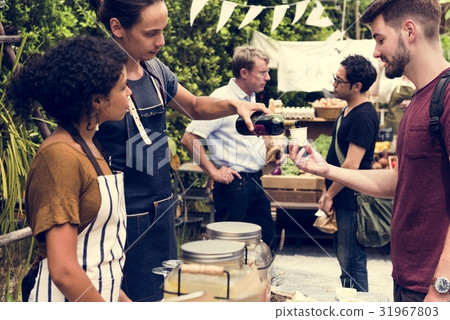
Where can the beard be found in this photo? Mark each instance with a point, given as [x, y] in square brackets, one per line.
[400, 59]
[340, 95]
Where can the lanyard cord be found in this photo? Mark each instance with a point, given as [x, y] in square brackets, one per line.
[133, 110]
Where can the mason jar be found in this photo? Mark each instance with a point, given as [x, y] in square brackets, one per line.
[217, 267]
[256, 251]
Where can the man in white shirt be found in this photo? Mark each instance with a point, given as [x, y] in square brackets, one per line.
[236, 160]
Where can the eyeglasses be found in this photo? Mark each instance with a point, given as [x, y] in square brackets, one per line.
[339, 80]
[263, 74]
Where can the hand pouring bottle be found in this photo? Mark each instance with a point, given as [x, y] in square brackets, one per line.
[266, 124]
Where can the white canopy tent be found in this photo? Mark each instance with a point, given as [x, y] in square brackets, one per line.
[309, 65]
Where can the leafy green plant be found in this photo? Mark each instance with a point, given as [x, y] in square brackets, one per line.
[188, 230]
[445, 41]
[445, 28]
[45, 22]
[17, 151]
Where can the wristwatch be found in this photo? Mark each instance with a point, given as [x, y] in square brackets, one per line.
[441, 284]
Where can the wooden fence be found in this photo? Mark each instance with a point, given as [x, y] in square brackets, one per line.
[15, 236]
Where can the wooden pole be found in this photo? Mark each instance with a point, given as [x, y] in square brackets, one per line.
[40, 123]
[344, 9]
[10, 39]
[357, 26]
[9, 53]
[15, 236]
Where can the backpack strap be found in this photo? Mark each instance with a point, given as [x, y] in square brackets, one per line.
[437, 103]
[339, 153]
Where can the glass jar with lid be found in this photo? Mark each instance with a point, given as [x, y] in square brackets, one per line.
[217, 267]
[256, 251]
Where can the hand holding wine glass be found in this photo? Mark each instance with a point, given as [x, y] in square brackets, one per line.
[308, 159]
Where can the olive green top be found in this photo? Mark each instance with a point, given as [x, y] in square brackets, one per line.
[395, 113]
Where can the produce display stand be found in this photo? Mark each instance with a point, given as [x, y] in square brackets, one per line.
[294, 199]
[294, 202]
[296, 195]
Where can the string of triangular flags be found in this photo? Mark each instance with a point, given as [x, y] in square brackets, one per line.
[314, 19]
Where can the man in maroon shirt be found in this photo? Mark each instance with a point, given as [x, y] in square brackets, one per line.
[407, 41]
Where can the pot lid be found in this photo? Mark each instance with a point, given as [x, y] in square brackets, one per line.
[233, 230]
[212, 251]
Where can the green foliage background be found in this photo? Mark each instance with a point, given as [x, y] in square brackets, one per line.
[198, 55]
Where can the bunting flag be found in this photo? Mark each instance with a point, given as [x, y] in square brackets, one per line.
[252, 13]
[197, 6]
[300, 9]
[225, 13]
[336, 36]
[314, 18]
[278, 15]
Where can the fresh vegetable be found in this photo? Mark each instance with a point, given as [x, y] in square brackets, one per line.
[377, 165]
[276, 171]
[383, 162]
[381, 146]
[322, 144]
[289, 168]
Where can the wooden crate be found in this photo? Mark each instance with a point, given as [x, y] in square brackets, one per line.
[294, 196]
[304, 181]
[294, 192]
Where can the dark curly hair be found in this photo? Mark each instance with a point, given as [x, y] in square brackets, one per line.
[128, 12]
[67, 77]
[359, 69]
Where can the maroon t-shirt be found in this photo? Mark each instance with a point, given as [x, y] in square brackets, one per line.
[421, 212]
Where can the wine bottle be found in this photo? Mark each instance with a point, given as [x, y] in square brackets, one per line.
[266, 124]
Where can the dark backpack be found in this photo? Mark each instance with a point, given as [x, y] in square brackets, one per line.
[437, 106]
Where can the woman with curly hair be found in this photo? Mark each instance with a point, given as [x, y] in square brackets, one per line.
[74, 202]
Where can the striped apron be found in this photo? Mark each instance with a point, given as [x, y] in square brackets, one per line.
[100, 247]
